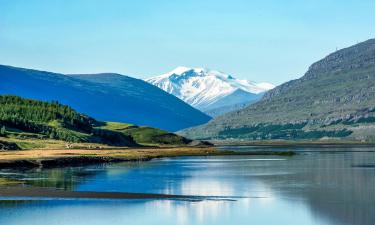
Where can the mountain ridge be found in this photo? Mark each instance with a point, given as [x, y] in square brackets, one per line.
[336, 93]
[137, 102]
[204, 88]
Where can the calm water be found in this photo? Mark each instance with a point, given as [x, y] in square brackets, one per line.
[317, 186]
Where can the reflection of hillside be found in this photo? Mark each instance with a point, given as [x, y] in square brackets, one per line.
[331, 186]
[322, 187]
[59, 178]
[14, 203]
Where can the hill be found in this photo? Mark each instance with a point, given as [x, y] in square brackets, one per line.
[107, 97]
[25, 123]
[334, 99]
[210, 91]
[146, 135]
[25, 118]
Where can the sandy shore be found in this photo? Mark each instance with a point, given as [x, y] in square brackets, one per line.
[66, 157]
[71, 157]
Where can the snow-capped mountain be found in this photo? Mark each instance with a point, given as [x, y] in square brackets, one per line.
[204, 89]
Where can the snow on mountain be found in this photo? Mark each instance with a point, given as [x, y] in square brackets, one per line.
[202, 88]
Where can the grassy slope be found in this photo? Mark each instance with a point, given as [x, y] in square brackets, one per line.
[145, 135]
[34, 124]
[142, 135]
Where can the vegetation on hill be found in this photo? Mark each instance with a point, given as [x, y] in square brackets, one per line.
[146, 135]
[112, 97]
[22, 120]
[41, 117]
[30, 118]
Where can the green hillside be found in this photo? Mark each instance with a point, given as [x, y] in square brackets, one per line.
[334, 99]
[25, 123]
[146, 135]
[25, 118]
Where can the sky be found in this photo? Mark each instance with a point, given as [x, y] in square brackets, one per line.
[269, 40]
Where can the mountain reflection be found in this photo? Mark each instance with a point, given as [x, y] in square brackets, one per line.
[327, 187]
[332, 185]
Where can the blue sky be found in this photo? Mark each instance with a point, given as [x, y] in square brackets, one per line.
[267, 40]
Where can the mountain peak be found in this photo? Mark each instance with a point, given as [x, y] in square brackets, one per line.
[202, 87]
[181, 70]
[196, 71]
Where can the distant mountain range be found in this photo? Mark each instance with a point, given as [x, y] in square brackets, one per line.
[334, 99]
[210, 91]
[107, 97]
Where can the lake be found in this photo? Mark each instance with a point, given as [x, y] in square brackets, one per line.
[319, 185]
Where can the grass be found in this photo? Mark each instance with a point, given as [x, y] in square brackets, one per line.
[49, 144]
[52, 153]
[71, 156]
[29, 145]
[120, 153]
[145, 135]
[23, 120]
[55, 123]
[114, 126]
[9, 182]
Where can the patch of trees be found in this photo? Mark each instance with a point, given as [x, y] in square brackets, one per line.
[55, 121]
[34, 117]
[27, 114]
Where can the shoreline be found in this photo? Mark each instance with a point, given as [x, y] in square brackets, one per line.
[29, 159]
[59, 157]
[319, 144]
[44, 159]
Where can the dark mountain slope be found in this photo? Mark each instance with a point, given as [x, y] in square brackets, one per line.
[109, 97]
[335, 98]
[239, 99]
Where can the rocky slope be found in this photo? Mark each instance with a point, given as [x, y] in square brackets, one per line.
[335, 98]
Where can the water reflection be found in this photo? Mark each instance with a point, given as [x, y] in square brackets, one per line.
[310, 188]
[62, 179]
